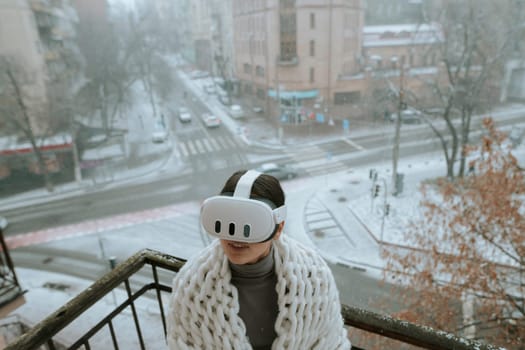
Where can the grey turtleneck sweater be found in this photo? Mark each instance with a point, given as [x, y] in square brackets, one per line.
[257, 299]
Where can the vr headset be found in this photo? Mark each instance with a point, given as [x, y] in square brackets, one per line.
[239, 218]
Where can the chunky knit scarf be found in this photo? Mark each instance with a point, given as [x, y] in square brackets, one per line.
[204, 306]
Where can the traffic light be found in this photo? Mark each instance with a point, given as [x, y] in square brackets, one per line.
[387, 209]
[376, 190]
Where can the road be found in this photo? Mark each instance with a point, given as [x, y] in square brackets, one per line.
[210, 156]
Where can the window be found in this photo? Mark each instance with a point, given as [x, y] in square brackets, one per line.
[342, 98]
[288, 36]
[247, 68]
[312, 20]
[260, 93]
[312, 48]
[312, 75]
[259, 71]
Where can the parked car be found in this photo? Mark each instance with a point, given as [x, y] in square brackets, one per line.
[278, 171]
[199, 74]
[184, 115]
[258, 109]
[211, 121]
[236, 111]
[160, 134]
[408, 117]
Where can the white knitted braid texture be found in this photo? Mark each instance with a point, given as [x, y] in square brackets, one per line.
[204, 306]
[310, 310]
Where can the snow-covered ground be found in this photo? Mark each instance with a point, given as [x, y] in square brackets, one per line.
[342, 200]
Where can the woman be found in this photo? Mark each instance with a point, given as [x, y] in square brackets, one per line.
[254, 288]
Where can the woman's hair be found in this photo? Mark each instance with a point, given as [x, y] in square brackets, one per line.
[265, 186]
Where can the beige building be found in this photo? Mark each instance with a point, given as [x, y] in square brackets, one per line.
[319, 52]
[20, 45]
[39, 37]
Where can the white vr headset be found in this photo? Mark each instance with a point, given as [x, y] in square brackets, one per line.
[240, 218]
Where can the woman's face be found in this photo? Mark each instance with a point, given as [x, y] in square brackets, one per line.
[241, 253]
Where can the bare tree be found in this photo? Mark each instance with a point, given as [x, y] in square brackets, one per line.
[107, 71]
[21, 110]
[147, 60]
[467, 256]
[474, 41]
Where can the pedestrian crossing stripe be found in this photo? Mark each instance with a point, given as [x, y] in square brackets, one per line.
[199, 146]
[214, 143]
[314, 159]
[191, 148]
[206, 145]
[183, 149]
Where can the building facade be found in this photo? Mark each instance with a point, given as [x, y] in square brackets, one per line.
[320, 54]
[20, 45]
[37, 39]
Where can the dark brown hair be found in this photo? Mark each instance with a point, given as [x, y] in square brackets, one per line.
[265, 186]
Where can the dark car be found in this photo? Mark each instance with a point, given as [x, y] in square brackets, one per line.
[280, 172]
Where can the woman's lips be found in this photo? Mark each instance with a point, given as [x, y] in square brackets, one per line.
[236, 245]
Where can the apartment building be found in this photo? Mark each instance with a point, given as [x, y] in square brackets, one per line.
[20, 44]
[303, 52]
[38, 37]
[88, 9]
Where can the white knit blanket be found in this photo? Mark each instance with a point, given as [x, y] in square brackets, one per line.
[204, 306]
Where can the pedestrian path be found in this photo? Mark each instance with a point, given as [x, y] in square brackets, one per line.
[324, 157]
[205, 145]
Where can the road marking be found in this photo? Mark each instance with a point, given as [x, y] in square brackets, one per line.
[215, 144]
[353, 144]
[199, 146]
[102, 225]
[207, 145]
[191, 147]
[183, 149]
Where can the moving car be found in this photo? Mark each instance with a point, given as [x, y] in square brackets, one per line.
[278, 171]
[160, 134]
[236, 111]
[184, 115]
[211, 121]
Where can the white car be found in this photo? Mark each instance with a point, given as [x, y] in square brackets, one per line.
[160, 134]
[184, 115]
[199, 74]
[236, 111]
[211, 121]
[280, 172]
[210, 89]
[408, 117]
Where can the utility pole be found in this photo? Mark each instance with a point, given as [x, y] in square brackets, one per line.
[278, 98]
[252, 70]
[395, 153]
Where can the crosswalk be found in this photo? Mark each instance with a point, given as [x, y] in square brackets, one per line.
[319, 159]
[192, 147]
[315, 159]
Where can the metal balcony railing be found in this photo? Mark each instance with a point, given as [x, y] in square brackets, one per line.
[51, 333]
